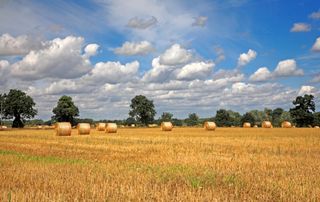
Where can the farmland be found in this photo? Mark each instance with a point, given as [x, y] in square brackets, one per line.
[147, 164]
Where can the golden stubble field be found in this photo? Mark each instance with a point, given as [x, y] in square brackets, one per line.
[187, 164]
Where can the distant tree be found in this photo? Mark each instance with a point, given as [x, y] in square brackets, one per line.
[166, 116]
[259, 116]
[316, 119]
[177, 122]
[7, 123]
[1, 107]
[302, 113]
[142, 109]
[84, 120]
[120, 122]
[192, 120]
[276, 114]
[235, 118]
[211, 119]
[285, 116]
[18, 105]
[34, 122]
[129, 121]
[248, 117]
[267, 114]
[49, 122]
[66, 110]
[223, 118]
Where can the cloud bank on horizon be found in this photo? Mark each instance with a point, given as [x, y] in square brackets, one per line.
[186, 57]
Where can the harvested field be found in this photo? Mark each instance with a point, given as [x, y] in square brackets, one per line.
[147, 164]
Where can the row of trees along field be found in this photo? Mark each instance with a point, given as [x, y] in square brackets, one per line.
[18, 109]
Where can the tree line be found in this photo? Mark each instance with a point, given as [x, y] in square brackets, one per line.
[18, 109]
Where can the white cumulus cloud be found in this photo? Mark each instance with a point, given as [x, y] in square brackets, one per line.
[315, 15]
[177, 63]
[20, 45]
[196, 70]
[245, 58]
[262, 74]
[306, 90]
[316, 45]
[91, 50]
[4, 71]
[158, 72]
[134, 48]
[112, 72]
[61, 58]
[64, 86]
[300, 27]
[288, 68]
[240, 87]
[175, 55]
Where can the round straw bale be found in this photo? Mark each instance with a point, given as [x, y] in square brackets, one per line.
[63, 129]
[266, 124]
[101, 127]
[209, 125]
[286, 124]
[133, 125]
[255, 126]
[111, 128]
[83, 128]
[3, 127]
[316, 127]
[166, 126]
[246, 125]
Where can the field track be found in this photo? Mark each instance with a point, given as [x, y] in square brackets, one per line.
[146, 164]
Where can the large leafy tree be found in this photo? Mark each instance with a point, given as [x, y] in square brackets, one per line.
[223, 118]
[66, 110]
[302, 113]
[142, 109]
[18, 105]
[192, 120]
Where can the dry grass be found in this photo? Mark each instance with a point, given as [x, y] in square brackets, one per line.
[187, 164]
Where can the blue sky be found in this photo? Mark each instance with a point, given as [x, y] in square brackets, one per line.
[187, 56]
